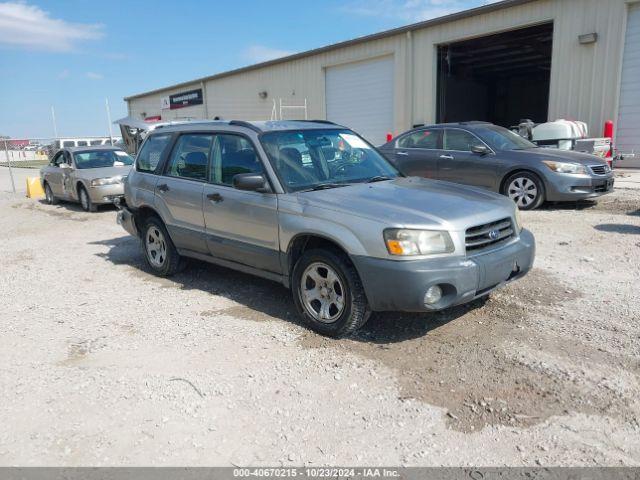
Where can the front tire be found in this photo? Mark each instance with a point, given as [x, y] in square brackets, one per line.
[159, 251]
[328, 293]
[525, 189]
[85, 200]
[49, 197]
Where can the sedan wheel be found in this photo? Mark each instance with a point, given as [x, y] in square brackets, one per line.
[523, 191]
[84, 200]
[322, 292]
[156, 246]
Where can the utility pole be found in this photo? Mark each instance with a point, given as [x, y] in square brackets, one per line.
[55, 127]
[106, 102]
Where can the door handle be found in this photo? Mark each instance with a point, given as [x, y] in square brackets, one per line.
[215, 197]
[163, 187]
[446, 157]
[404, 154]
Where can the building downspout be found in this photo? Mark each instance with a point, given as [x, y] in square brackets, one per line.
[203, 85]
[409, 74]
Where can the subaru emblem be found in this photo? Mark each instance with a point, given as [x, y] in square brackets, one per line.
[494, 234]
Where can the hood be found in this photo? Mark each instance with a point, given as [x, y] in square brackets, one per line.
[93, 173]
[556, 155]
[413, 201]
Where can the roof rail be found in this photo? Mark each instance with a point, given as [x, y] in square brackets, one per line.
[328, 122]
[242, 123]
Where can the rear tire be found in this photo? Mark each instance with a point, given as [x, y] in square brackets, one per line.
[85, 200]
[49, 197]
[328, 293]
[159, 251]
[525, 189]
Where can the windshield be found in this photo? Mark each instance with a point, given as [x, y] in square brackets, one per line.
[102, 158]
[500, 138]
[308, 159]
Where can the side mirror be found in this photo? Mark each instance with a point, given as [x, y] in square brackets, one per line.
[480, 150]
[251, 182]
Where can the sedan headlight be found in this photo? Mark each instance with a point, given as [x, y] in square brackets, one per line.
[565, 167]
[417, 242]
[99, 182]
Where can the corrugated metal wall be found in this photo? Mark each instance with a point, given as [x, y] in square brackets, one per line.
[584, 78]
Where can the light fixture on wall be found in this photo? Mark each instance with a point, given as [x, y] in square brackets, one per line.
[588, 38]
[263, 94]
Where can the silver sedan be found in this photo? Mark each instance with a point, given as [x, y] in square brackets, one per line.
[92, 176]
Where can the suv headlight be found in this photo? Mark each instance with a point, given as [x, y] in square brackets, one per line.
[98, 182]
[405, 242]
[565, 167]
[518, 219]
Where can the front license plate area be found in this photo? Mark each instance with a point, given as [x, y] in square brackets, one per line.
[494, 273]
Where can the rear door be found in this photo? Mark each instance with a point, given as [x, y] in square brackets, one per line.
[240, 226]
[180, 188]
[417, 153]
[457, 163]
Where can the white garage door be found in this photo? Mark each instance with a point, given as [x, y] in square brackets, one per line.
[628, 132]
[360, 96]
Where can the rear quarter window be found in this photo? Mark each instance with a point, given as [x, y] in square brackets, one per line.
[151, 152]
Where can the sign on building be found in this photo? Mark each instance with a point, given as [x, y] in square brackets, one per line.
[185, 99]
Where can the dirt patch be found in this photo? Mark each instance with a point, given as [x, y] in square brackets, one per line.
[479, 361]
[623, 203]
[59, 212]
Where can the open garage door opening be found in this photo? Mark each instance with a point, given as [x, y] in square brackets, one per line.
[499, 78]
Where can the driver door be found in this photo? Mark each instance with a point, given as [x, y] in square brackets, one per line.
[53, 174]
[240, 226]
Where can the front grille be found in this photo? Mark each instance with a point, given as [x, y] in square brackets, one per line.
[601, 188]
[489, 235]
[599, 169]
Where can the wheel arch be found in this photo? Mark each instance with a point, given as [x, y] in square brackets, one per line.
[304, 241]
[521, 169]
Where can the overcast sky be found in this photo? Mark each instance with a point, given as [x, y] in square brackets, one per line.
[72, 54]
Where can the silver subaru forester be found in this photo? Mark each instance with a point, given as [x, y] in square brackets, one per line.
[314, 206]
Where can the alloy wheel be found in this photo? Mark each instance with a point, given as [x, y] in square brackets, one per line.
[156, 246]
[322, 292]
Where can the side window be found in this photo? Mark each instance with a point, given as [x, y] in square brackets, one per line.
[460, 140]
[151, 152]
[68, 143]
[420, 139]
[233, 154]
[190, 157]
[57, 159]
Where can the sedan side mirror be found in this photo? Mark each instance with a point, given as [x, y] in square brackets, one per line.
[251, 182]
[480, 149]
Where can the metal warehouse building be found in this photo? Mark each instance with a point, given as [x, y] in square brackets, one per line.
[537, 59]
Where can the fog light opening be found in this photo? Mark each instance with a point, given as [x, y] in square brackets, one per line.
[433, 295]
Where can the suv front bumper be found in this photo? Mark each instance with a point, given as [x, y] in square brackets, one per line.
[392, 285]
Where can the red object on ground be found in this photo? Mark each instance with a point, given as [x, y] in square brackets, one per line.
[608, 133]
[389, 137]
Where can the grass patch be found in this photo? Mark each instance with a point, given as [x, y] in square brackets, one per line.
[26, 164]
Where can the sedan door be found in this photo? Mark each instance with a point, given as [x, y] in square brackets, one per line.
[241, 226]
[417, 153]
[458, 163]
[52, 174]
[179, 191]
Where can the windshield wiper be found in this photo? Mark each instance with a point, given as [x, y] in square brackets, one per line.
[379, 178]
[326, 186]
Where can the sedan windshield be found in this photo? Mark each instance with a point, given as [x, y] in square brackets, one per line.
[319, 159]
[102, 158]
[499, 138]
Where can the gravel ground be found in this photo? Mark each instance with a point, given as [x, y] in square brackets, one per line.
[101, 363]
